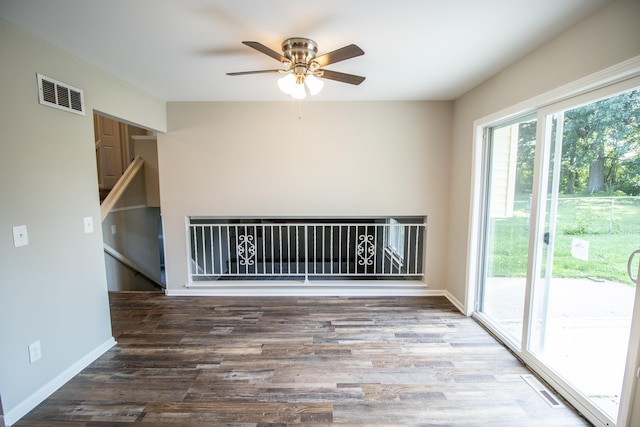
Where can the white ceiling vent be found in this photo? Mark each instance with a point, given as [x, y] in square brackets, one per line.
[60, 95]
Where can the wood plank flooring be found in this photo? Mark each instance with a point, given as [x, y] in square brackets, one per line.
[278, 361]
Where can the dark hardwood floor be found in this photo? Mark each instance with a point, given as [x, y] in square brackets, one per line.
[200, 361]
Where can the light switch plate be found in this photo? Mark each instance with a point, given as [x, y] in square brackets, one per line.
[20, 236]
[35, 352]
[88, 224]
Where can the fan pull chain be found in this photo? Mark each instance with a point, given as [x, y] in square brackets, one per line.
[293, 106]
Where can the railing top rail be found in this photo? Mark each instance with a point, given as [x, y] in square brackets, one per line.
[303, 224]
[118, 190]
[132, 265]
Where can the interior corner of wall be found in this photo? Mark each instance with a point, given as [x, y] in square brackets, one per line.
[453, 300]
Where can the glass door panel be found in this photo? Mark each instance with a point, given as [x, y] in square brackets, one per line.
[583, 297]
[510, 154]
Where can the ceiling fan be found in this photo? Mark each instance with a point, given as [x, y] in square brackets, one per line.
[303, 67]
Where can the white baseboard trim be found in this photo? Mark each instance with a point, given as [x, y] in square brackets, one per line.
[287, 288]
[453, 300]
[47, 390]
[315, 288]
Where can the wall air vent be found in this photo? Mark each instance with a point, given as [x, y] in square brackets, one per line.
[60, 95]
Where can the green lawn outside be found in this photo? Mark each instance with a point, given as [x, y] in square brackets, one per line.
[612, 235]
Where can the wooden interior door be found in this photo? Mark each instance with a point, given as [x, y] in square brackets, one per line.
[108, 151]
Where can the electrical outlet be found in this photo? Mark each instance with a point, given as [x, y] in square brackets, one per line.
[20, 236]
[35, 352]
[113, 229]
[88, 224]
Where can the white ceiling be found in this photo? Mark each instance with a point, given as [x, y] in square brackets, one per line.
[180, 50]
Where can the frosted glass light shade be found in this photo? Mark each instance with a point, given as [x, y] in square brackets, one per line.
[314, 84]
[298, 91]
[287, 83]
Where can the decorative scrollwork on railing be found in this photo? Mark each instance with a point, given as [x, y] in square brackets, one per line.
[366, 249]
[246, 249]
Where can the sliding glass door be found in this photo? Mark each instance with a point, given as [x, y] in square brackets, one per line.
[554, 281]
[510, 152]
[583, 297]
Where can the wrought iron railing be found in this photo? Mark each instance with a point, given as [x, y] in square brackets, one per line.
[304, 251]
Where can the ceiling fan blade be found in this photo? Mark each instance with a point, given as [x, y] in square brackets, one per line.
[338, 55]
[267, 51]
[342, 77]
[242, 73]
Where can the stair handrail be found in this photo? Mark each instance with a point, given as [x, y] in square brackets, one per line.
[123, 183]
[132, 265]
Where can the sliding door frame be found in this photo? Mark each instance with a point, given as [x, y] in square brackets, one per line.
[617, 79]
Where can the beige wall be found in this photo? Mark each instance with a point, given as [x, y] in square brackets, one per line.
[338, 159]
[53, 290]
[607, 38]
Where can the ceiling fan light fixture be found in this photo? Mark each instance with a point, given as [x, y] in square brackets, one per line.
[314, 84]
[287, 83]
[303, 66]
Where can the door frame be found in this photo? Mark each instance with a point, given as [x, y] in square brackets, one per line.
[616, 79]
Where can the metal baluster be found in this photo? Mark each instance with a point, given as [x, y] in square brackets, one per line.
[219, 245]
[237, 259]
[384, 245]
[273, 256]
[264, 252]
[255, 247]
[228, 249]
[355, 249]
[375, 252]
[348, 244]
[297, 250]
[212, 257]
[289, 249]
[246, 252]
[340, 249]
[323, 250]
[331, 249]
[315, 245]
[280, 245]
[409, 248]
[306, 253]
[415, 269]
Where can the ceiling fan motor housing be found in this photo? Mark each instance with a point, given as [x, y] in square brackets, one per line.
[301, 52]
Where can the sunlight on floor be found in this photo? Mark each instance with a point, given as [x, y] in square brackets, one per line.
[586, 336]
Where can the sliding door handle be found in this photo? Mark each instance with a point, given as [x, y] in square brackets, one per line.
[633, 279]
